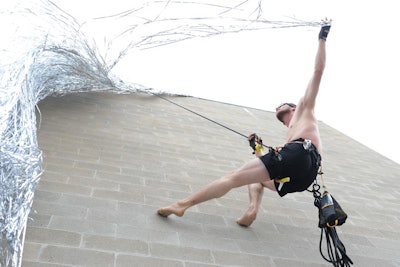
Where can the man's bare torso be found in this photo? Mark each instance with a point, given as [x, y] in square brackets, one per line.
[304, 125]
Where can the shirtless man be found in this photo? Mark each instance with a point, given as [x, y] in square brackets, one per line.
[289, 169]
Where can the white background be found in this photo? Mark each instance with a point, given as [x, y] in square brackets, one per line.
[261, 69]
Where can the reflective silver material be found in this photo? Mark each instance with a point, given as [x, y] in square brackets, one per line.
[44, 51]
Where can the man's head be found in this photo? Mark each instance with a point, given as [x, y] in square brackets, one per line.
[283, 110]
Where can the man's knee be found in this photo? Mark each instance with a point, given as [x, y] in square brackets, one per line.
[257, 187]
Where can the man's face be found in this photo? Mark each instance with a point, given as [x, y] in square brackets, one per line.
[282, 110]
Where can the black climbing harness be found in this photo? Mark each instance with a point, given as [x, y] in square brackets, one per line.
[330, 215]
[329, 211]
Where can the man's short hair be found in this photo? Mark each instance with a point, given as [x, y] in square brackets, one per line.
[289, 104]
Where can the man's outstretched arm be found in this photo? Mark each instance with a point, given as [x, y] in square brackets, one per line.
[319, 67]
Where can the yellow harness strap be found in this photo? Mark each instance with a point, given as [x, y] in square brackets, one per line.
[282, 181]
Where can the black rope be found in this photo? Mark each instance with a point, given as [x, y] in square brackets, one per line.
[198, 114]
[202, 116]
[336, 251]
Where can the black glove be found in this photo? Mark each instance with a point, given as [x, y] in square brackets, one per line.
[253, 141]
[326, 26]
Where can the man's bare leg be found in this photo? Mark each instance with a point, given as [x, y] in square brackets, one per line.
[256, 192]
[252, 172]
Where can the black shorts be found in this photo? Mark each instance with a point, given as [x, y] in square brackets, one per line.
[294, 161]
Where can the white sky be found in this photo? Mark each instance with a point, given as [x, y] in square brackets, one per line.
[261, 69]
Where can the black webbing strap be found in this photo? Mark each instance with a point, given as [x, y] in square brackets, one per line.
[335, 248]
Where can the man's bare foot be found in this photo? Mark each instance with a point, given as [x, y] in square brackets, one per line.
[248, 218]
[172, 209]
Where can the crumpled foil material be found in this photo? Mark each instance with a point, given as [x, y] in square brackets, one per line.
[45, 52]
